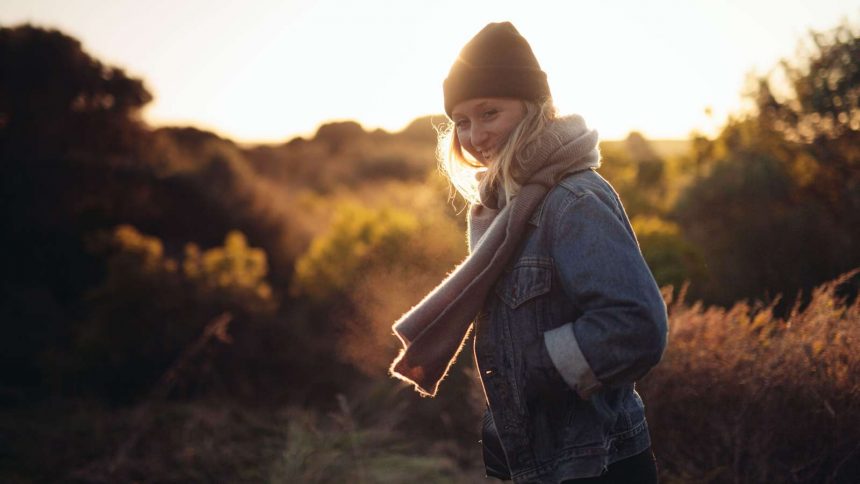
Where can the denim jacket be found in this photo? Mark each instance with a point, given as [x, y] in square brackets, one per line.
[577, 282]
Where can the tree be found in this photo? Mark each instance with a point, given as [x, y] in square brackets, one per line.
[67, 122]
[819, 117]
[56, 99]
[779, 210]
[823, 98]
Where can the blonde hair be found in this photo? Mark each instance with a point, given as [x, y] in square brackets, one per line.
[507, 169]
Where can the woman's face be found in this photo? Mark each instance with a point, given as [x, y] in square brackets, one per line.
[483, 125]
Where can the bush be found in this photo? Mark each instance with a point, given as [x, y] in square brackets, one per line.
[151, 306]
[671, 258]
[742, 396]
[357, 238]
[776, 206]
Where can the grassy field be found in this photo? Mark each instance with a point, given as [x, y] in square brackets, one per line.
[741, 396]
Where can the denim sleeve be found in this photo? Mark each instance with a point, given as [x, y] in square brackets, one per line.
[622, 330]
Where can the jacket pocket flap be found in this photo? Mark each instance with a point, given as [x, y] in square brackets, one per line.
[530, 277]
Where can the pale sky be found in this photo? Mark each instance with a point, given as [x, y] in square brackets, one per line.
[267, 70]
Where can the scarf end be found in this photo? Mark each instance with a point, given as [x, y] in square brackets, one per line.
[425, 385]
[426, 370]
[414, 375]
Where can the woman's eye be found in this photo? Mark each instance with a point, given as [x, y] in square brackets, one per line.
[490, 112]
[460, 124]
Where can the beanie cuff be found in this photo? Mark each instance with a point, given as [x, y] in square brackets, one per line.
[494, 81]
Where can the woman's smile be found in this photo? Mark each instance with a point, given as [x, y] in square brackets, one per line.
[483, 125]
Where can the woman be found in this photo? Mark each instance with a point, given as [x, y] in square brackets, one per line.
[566, 313]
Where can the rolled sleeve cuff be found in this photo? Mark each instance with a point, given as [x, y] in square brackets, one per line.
[568, 359]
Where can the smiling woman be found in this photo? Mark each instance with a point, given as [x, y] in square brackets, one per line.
[566, 313]
[489, 130]
[483, 124]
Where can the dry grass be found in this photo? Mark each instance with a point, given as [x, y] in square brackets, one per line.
[743, 396]
[217, 441]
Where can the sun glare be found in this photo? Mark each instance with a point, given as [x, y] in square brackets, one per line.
[271, 70]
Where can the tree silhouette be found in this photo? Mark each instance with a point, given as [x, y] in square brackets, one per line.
[780, 209]
[821, 115]
[54, 97]
[66, 121]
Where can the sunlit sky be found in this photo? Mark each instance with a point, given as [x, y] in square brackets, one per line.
[269, 70]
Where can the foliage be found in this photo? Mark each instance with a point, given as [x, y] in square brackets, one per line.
[639, 181]
[235, 267]
[151, 306]
[757, 235]
[355, 224]
[343, 449]
[819, 120]
[357, 440]
[776, 206]
[740, 396]
[67, 124]
[357, 238]
[824, 89]
[381, 251]
[178, 185]
[344, 155]
[744, 396]
[391, 243]
[672, 259]
[70, 104]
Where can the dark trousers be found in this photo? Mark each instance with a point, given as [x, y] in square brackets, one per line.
[639, 469]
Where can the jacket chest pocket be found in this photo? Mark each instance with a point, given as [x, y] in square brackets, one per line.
[529, 278]
[522, 306]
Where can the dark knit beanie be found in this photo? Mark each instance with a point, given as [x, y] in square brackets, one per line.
[497, 62]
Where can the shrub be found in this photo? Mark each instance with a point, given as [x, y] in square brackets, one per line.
[357, 238]
[671, 258]
[150, 306]
[742, 396]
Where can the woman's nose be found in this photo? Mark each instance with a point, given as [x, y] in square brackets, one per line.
[479, 136]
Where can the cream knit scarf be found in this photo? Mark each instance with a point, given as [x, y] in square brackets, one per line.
[434, 331]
